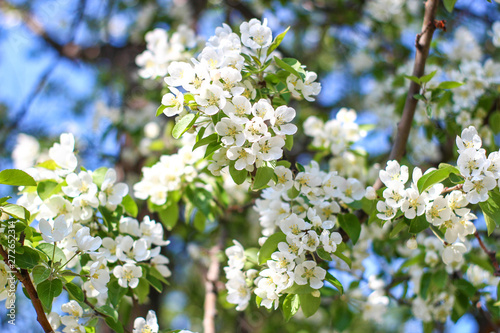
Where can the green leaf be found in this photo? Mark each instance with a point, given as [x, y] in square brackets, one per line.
[309, 304]
[449, 5]
[491, 210]
[48, 164]
[107, 216]
[291, 305]
[289, 142]
[494, 122]
[142, 290]
[47, 291]
[413, 78]
[456, 179]
[212, 147]
[282, 64]
[284, 163]
[428, 77]
[16, 211]
[206, 140]
[439, 279]
[157, 275]
[436, 176]
[418, 259]
[336, 283]
[155, 283]
[397, 228]
[299, 289]
[40, 273]
[465, 286]
[200, 198]
[48, 250]
[428, 110]
[351, 225]
[183, 125]
[425, 283]
[115, 292]
[339, 253]
[270, 246]
[16, 177]
[169, 216]
[199, 221]
[28, 259]
[109, 311]
[449, 85]
[160, 109]
[239, 176]
[47, 188]
[490, 223]
[262, 177]
[277, 41]
[130, 206]
[75, 291]
[323, 254]
[98, 176]
[418, 224]
[116, 326]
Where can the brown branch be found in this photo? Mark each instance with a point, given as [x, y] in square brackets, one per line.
[212, 278]
[451, 189]
[491, 254]
[423, 42]
[24, 277]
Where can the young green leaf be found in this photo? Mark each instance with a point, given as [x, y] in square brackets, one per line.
[449, 5]
[449, 85]
[309, 304]
[183, 125]
[16, 177]
[277, 41]
[270, 246]
[239, 176]
[262, 177]
[130, 206]
[47, 291]
[336, 283]
[351, 225]
[428, 77]
[291, 305]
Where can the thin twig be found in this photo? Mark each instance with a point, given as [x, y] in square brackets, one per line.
[24, 277]
[491, 254]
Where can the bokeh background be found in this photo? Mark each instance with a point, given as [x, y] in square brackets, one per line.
[69, 66]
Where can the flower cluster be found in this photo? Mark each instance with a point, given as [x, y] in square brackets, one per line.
[481, 173]
[336, 134]
[170, 173]
[305, 209]
[231, 86]
[335, 138]
[448, 212]
[82, 222]
[150, 324]
[318, 196]
[238, 281]
[161, 51]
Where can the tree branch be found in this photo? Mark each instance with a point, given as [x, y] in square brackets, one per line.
[491, 254]
[210, 306]
[24, 277]
[423, 43]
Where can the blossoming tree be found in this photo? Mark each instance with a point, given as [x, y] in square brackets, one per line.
[315, 218]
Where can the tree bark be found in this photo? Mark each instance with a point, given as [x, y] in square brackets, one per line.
[422, 44]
